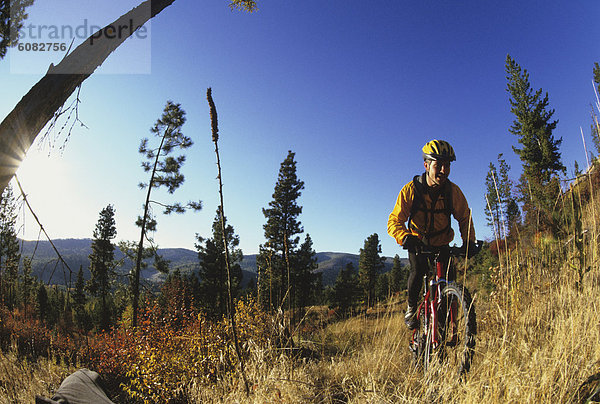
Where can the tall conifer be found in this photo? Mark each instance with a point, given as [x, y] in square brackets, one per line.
[165, 172]
[306, 280]
[281, 232]
[9, 247]
[213, 273]
[102, 262]
[533, 125]
[346, 290]
[370, 264]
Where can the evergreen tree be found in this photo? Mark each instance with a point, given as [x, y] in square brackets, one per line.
[382, 287]
[281, 232]
[9, 248]
[539, 153]
[503, 211]
[213, 273]
[597, 76]
[79, 298]
[27, 287]
[251, 288]
[42, 305]
[370, 265]
[346, 290]
[102, 262]
[12, 15]
[79, 301]
[398, 276]
[165, 172]
[306, 281]
[595, 124]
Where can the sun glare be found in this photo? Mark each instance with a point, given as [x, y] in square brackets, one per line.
[47, 183]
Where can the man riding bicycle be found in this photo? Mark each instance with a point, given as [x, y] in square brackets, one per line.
[425, 204]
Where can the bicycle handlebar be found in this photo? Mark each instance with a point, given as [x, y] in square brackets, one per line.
[453, 251]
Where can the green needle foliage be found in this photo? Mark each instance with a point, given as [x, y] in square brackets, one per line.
[597, 76]
[213, 272]
[243, 5]
[502, 211]
[345, 294]
[281, 232]
[306, 282]
[370, 264]
[539, 153]
[102, 262]
[9, 248]
[164, 169]
[12, 15]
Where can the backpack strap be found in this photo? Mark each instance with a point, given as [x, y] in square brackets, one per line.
[419, 183]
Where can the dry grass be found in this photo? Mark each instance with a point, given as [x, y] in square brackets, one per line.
[540, 345]
[21, 381]
[537, 342]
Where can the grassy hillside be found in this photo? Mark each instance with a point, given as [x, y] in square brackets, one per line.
[537, 342]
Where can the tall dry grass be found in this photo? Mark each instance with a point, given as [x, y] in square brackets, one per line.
[538, 341]
[21, 380]
[542, 350]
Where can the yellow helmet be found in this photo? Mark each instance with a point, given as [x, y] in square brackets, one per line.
[438, 150]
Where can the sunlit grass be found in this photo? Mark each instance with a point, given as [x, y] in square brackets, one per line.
[21, 380]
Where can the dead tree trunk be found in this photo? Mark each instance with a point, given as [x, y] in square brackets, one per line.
[22, 125]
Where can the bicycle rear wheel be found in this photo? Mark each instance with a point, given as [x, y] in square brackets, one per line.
[457, 327]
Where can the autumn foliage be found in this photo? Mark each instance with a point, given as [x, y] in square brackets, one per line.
[154, 362]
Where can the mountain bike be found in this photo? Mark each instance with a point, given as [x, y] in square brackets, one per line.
[446, 317]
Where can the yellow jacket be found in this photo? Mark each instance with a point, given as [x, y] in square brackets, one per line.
[421, 220]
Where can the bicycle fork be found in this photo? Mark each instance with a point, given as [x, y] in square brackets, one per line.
[450, 335]
[428, 309]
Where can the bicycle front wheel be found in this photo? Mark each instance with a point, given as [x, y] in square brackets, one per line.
[457, 327]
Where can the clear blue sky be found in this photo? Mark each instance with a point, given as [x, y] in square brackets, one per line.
[354, 88]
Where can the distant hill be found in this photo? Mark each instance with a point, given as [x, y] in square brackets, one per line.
[76, 251]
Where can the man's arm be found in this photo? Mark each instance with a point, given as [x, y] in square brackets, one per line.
[396, 221]
[462, 214]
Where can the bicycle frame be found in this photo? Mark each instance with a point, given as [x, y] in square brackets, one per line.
[432, 298]
[438, 314]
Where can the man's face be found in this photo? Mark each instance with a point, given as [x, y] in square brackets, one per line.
[437, 172]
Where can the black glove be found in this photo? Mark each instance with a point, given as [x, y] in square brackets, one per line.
[471, 250]
[412, 243]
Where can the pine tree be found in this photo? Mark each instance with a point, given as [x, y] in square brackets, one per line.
[539, 153]
[382, 287]
[595, 125]
[281, 232]
[165, 172]
[306, 281]
[9, 247]
[42, 306]
[398, 276]
[370, 265]
[79, 300]
[213, 273]
[503, 211]
[102, 262]
[597, 76]
[12, 16]
[27, 286]
[346, 290]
